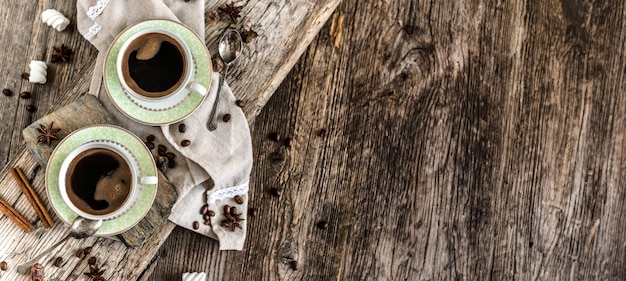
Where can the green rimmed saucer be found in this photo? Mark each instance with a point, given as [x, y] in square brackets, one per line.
[166, 110]
[112, 133]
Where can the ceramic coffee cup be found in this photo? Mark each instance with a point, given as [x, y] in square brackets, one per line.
[101, 180]
[156, 64]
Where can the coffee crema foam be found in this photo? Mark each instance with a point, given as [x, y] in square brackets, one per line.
[98, 181]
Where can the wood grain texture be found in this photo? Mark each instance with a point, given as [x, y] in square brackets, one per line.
[265, 63]
[467, 140]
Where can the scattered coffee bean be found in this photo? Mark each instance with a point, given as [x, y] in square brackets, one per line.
[233, 211]
[226, 118]
[25, 95]
[161, 153]
[240, 103]
[170, 155]
[206, 217]
[252, 212]
[287, 142]
[88, 250]
[204, 209]
[276, 192]
[211, 213]
[322, 132]
[207, 222]
[151, 138]
[3, 266]
[239, 199]
[322, 225]
[182, 128]
[162, 148]
[226, 209]
[171, 164]
[294, 265]
[58, 262]
[80, 253]
[92, 260]
[25, 75]
[217, 62]
[196, 225]
[31, 108]
[185, 143]
[7, 92]
[150, 145]
[162, 163]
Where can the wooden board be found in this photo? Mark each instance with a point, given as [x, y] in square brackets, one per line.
[467, 140]
[285, 29]
[85, 111]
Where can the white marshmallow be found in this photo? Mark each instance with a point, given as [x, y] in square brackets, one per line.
[55, 19]
[194, 276]
[38, 72]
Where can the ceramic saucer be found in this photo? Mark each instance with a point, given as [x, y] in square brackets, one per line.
[170, 109]
[103, 133]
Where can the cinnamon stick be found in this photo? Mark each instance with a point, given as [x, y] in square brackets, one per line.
[32, 197]
[15, 216]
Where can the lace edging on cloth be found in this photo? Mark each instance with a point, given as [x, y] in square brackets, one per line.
[228, 192]
[97, 9]
[93, 30]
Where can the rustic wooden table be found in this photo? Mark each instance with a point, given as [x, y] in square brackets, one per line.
[465, 140]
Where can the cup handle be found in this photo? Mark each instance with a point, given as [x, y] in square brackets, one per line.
[195, 87]
[149, 180]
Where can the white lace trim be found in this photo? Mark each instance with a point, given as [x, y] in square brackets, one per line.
[228, 192]
[93, 30]
[96, 10]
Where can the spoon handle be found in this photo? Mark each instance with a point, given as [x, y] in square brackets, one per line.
[24, 268]
[212, 123]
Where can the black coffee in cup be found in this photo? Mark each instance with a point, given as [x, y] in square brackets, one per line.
[154, 65]
[98, 181]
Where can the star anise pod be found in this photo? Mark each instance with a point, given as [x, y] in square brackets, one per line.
[232, 218]
[232, 11]
[61, 54]
[47, 134]
[95, 273]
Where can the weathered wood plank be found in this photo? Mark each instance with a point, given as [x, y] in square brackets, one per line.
[265, 63]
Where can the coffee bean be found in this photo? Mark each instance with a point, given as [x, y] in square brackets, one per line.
[252, 212]
[294, 265]
[322, 132]
[31, 108]
[211, 213]
[88, 250]
[226, 118]
[150, 138]
[58, 262]
[276, 192]
[287, 142]
[170, 155]
[322, 225]
[196, 225]
[92, 261]
[204, 209]
[25, 75]
[3, 266]
[150, 145]
[233, 211]
[226, 209]
[162, 148]
[25, 95]
[161, 153]
[240, 103]
[7, 92]
[182, 128]
[239, 199]
[171, 164]
[274, 136]
[185, 143]
[207, 222]
[80, 253]
[206, 217]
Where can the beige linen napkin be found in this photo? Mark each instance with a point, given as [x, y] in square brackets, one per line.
[216, 166]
